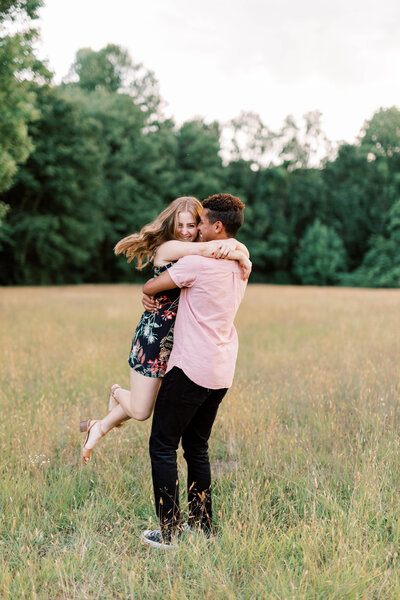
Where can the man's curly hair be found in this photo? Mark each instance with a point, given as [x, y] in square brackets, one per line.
[225, 208]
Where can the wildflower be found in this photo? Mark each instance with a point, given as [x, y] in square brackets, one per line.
[38, 459]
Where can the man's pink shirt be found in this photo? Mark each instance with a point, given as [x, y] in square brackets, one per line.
[205, 339]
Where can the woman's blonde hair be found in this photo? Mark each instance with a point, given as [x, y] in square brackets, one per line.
[164, 228]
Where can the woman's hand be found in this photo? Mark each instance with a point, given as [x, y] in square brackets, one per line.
[224, 247]
[246, 266]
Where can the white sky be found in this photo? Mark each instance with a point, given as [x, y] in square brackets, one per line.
[215, 58]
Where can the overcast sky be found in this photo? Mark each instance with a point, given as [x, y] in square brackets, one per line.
[216, 58]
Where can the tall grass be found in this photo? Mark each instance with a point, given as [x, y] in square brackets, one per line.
[305, 452]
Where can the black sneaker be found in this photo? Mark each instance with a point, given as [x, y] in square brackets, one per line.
[153, 538]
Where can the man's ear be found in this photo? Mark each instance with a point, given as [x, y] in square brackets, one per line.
[218, 226]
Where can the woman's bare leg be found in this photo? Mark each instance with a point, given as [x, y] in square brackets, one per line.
[138, 403]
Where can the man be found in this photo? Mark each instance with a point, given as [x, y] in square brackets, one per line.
[200, 370]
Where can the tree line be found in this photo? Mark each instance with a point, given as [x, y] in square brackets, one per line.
[89, 161]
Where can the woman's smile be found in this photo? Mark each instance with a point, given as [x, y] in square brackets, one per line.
[186, 227]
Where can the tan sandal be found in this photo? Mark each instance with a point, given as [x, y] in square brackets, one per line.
[113, 400]
[87, 426]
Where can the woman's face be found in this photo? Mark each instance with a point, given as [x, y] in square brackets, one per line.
[186, 227]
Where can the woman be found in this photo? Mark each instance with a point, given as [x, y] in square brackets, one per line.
[165, 240]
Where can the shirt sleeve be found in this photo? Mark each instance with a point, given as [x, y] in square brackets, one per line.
[184, 272]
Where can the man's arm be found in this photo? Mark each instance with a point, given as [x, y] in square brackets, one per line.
[158, 284]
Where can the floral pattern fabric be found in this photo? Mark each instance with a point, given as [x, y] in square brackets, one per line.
[154, 335]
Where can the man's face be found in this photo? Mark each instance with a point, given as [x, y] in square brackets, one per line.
[206, 229]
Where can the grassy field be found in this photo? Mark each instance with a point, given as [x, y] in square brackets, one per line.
[305, 452]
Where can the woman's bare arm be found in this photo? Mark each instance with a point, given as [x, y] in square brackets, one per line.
[174, 249]
[244, 261]
[241, 247]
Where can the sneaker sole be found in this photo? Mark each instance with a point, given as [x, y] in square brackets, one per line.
[145, 540]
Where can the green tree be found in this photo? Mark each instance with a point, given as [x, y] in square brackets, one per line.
[381, 264]
[17, 9]
[102, 167]
[246, 138]
[354, 202]
[305, 145]
[18, 67]
[138, 143]
[380, 135]
[269, 222]
[138, 172]
[321, 257]
[199, 165]
[362, 184]
[294, 146]
[55, 218]
[112, 69]
[280, 204]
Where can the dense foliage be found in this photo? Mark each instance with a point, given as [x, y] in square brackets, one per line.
[18, 65]
[87, 162]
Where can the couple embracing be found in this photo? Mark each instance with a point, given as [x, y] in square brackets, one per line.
[185, 341]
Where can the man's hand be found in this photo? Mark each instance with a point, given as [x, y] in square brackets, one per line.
[149, 303]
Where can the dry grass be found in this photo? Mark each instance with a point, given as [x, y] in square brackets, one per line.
[305, 452]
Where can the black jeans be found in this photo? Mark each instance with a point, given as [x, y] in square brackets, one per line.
[183, 410]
